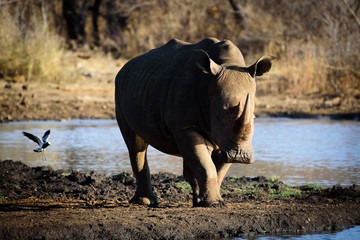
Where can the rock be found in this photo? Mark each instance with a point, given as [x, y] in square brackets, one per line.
[87, 74]
[333, 102]
[19, 79]
[84, 55]
[5, 106]
[23, 102]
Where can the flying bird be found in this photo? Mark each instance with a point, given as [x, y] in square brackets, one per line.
[42, 143]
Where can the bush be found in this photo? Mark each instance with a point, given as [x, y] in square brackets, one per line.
[317, 42]
[27, 45]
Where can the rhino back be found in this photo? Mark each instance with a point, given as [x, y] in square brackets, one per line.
[158, 91]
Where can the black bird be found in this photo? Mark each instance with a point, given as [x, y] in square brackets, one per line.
[42, 144]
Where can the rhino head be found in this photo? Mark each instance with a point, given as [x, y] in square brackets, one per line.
[231, 94]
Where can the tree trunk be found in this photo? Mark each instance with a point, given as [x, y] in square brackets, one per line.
[74, 13]
[237, 13]
[95, 26]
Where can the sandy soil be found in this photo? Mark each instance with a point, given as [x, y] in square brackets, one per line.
[90, 95]
[41, 203]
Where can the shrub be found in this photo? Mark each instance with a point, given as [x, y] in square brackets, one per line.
[27, 45]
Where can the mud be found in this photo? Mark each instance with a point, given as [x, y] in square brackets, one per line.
[92, 97]
[42, 203]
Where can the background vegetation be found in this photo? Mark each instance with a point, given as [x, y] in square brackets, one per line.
[317, 42]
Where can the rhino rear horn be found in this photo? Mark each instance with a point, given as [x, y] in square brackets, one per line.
[261, 66]
[206, 64]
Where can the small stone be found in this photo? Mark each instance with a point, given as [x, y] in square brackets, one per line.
[333, 102]
[5, 105]
[19, 79]
[23, 102]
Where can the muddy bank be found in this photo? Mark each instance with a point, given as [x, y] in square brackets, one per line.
[92, 97]
[56, 101]
[40, 202]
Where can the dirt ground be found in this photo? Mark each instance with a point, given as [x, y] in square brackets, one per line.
[42, 203]
[91, 98]
[90, 95]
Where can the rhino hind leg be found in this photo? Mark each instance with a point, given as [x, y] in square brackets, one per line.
[137, 148]
[144, 194]
[190, 178]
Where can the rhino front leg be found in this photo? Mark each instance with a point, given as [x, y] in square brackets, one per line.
[197, 157]
[221, 167]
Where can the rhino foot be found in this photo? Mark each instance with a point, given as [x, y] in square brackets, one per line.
[147, 201]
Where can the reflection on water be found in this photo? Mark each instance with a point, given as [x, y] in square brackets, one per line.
[325, 152]
[347, 234]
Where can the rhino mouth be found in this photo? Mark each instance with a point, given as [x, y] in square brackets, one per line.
[236, 154]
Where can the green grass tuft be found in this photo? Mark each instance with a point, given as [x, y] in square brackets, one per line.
[313, 186]
[274, 178]
[285, 191]
[15, 186]
[184, 185]
[64, 175]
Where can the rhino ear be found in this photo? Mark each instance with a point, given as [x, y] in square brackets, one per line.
[206, 64]
[261, 66]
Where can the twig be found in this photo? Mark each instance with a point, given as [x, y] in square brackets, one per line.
[8, 2]
[92, 187]
[351, 12]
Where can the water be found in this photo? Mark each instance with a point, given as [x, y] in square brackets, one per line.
[324, 152]
[347, 234]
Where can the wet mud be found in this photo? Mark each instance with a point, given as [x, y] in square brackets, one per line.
[42, 203]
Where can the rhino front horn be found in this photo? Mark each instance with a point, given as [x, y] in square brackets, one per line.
[244, 118]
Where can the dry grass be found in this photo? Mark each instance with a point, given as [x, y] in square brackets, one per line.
[154, 25]
[28, 47]
[300, 70]
[317, 42]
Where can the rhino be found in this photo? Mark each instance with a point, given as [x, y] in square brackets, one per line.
[195, 101]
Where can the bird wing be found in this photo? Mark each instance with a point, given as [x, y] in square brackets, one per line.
[46, 135]
[33, 137]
